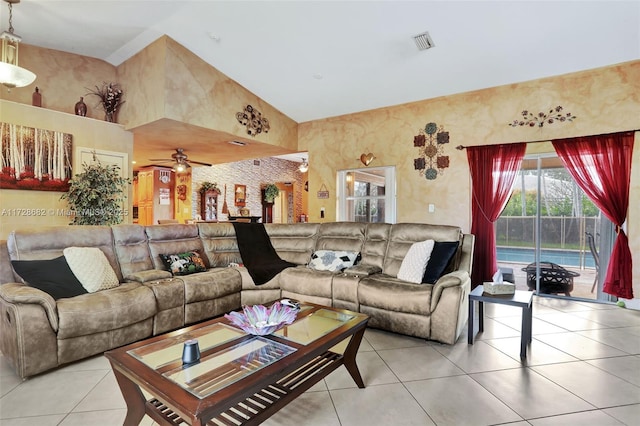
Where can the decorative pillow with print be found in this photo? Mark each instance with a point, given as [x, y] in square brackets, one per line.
[185, 263]
[333, 260]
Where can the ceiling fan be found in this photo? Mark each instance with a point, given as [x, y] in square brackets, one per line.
[179, 159]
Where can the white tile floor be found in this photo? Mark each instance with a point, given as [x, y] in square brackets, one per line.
[583, 369]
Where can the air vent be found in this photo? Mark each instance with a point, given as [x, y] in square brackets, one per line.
[238, 143]
[423, 41]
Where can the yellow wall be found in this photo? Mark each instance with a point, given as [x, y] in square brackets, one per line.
[15, 205]
[62, 79]
[165, 80]
[604, 100]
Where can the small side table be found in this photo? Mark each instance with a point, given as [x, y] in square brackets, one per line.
[522, 299]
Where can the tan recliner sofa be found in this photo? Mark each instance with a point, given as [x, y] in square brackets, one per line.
[39, 333]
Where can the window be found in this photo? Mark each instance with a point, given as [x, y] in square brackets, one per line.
[367, 195]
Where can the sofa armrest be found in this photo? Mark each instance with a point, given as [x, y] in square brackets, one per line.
[452, 279]
[150, 275]
[362, 270]
[23, 294]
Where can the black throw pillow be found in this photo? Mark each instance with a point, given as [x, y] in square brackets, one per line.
[51, 276]
[443, 252]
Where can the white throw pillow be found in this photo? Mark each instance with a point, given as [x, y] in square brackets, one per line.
[91, 267]
[415, 261]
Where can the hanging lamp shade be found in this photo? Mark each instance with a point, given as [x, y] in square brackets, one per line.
[304, 166]
[11, 74]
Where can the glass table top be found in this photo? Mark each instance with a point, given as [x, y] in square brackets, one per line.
[223, 368]
[313, 326]
[220, 368]
[158, 354]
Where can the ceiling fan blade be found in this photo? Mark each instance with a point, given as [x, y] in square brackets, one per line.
[199, 162]
[165, 160]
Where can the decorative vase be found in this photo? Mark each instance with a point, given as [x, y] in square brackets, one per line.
[110, 116]
[81, 107]
[36, 98]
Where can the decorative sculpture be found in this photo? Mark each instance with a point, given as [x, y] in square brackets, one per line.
[253, 120]
[430, 142]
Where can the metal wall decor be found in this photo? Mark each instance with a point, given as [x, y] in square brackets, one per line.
[430, 143]
[253, 119]
[539, 119]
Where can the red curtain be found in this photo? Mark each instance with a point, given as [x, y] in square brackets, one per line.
[493, 169]
[601, 166]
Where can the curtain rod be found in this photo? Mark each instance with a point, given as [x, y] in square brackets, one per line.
[461, 147]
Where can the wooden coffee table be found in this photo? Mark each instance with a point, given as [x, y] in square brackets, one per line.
[240, 379]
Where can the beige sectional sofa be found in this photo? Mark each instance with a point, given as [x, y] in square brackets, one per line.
[39, 333]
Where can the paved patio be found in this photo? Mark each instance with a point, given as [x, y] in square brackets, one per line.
[581, 284]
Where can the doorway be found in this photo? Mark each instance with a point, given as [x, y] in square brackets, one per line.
[283, 204]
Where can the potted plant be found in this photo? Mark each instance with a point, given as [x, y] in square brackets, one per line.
[209, 186]
[96, 195]
[271, 191]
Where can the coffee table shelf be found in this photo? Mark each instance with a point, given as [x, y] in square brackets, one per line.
[264, 403]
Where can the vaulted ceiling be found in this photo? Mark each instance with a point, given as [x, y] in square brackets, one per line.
[316, 59]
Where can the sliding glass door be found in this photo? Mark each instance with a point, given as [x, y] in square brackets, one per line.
[550, 235]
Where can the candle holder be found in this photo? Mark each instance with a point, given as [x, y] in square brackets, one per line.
[190, 352]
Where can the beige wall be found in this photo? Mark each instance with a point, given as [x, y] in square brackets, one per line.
[165, 80]
[62, 79]
[15, 205]
[604, 100]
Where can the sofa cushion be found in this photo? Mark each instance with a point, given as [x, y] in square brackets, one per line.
[51, 276]
[403, 235]
[391, 294]
[50, 242]
[105, 310]
[362, 270]
[443, 252]
[185, 263]
[212, 284]
[415, 261]
[332, 260]
[91, 267]
[305, 281]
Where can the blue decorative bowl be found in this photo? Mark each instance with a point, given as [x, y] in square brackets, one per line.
[260, 320]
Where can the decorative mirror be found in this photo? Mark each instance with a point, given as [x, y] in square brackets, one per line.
[240, 197]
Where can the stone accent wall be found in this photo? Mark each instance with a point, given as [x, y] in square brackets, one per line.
[255, 174]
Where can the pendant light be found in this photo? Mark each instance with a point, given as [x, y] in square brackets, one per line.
[11, 75]
[304, 166]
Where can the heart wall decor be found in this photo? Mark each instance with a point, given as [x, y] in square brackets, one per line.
[366, 159]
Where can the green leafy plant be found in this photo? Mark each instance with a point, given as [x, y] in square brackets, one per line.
[208, 186]
[271, 191]
[96, 195]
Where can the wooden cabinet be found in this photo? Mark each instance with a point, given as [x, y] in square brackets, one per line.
[155, 195]
[209, 205]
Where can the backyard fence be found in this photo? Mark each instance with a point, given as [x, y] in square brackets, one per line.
[559, 232]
